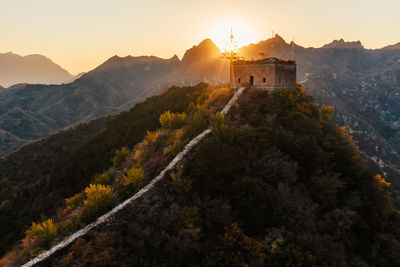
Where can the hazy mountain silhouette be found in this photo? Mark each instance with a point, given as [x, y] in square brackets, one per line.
[29, 112]
[30, 69]
[361, 84]
[273, 47]
[76, 77]
[342, 44]
[393, 47]
[203, 63]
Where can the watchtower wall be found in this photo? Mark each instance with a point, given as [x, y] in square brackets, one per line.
[267, 74]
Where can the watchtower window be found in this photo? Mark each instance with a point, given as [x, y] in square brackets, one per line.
[251, 80]
[239, 80]
[264, 80]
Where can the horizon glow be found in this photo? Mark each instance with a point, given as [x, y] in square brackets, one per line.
[80, 35]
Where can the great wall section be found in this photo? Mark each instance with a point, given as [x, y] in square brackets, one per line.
[131, 201]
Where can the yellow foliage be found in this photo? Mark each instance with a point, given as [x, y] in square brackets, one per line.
[151, 143]
[134, 176]
[44, 232]
[327, 111]
[120, 156]
[98, 197]
[74, 200]
[12, 258]
[381, 181]
[175, 148]
[104, 178]
[222, 128]
[170, 120]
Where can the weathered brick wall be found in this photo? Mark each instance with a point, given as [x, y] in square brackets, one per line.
[266, 75]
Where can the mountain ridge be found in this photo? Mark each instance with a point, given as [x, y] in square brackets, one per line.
[32, 68]
[341, 44]
[327, 72]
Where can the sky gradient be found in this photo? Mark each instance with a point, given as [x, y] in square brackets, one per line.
[81, 34]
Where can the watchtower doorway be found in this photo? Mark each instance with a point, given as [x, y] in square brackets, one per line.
[251, 80]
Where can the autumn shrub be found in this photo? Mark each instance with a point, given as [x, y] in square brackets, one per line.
[381, 181]
[222, 128]
[75, 200]
[202, 99]
[134, 177]
[155, 164]
[12, 258]
[71, 223]
[173, 149]
[104, 178]
[196, 125]
[218, 99]
[41, 233]
[152, 145]
[98, 199]
[170, 120]
[120, 156]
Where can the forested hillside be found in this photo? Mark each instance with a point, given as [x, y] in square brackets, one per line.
[277, 183]
[361, 84]
[36, 179]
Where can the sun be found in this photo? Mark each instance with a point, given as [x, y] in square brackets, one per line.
[242, 32]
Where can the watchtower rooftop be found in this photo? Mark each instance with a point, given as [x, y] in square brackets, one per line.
[269, 73]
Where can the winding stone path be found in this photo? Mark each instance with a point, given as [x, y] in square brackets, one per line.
[139, 194]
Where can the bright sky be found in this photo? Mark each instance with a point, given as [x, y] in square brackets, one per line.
[81, 34]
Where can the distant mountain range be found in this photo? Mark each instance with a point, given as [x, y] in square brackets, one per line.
[362, 85]
[29, 112]
[35, 69]
[393, 47]
[344, 45]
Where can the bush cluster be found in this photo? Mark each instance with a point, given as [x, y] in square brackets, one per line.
[98, 200]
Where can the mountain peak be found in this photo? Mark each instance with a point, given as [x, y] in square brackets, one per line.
[392, 47]
[207, 42]
[342, 44]
[174, 58]
[205, 49]
[33, 68]
[272, 47]
[278, 38]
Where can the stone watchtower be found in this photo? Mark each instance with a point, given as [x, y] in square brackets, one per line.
[266, 74]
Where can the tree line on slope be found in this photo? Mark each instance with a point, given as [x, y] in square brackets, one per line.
[130, 170]
[277, 184]
[30, 193]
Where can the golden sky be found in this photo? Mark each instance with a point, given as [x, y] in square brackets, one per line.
[81, 34]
